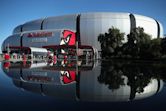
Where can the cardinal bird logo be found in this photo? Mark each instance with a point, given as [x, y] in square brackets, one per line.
[68, 77]
[69, 38]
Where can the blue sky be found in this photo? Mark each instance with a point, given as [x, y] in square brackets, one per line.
[15, 12]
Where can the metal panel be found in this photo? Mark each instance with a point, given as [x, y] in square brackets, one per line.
[9, 41]
[93, 24]
[60, 22]
[32, 25]
[161, 30]
[42, 41]
[149, 25]
[17, 29]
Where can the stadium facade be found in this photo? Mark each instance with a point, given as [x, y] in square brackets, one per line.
[63, 34]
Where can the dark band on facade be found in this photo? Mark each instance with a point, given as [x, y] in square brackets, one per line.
[41, 88]
[78, 30]
[78, 85]
[158, 29]
[132, 22]
[21, 35]
[159, 86]
[41, 27]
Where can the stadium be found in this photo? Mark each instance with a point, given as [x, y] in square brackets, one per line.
[75, 34]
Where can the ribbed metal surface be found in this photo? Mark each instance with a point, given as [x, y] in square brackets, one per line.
[9, 41]
[149, 25]
[90, 26]
[60, 22]
[161, 30]
[93, 24]
[32, 25]
[42, 41]
[17, 29]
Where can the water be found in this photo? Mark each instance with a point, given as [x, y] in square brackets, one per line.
[90, 85]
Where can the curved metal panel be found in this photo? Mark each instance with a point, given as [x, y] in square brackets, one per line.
[32, 25]
[37, 41]
[149, 25]
[89, 25]
[17, 29]
[93, 24]
[9, 41]
[60, 22]
[161, 30]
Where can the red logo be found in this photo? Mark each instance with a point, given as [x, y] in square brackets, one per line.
[68, 76]
[69, 38]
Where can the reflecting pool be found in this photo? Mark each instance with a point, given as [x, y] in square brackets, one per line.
[83, 85]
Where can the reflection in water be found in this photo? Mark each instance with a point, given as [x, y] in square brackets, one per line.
[88, 80]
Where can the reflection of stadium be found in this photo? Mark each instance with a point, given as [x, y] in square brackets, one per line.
[60, 35]
[82, 84]
[99, 92]
[43, 72]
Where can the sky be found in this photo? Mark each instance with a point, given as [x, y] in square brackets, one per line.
[16, 12]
